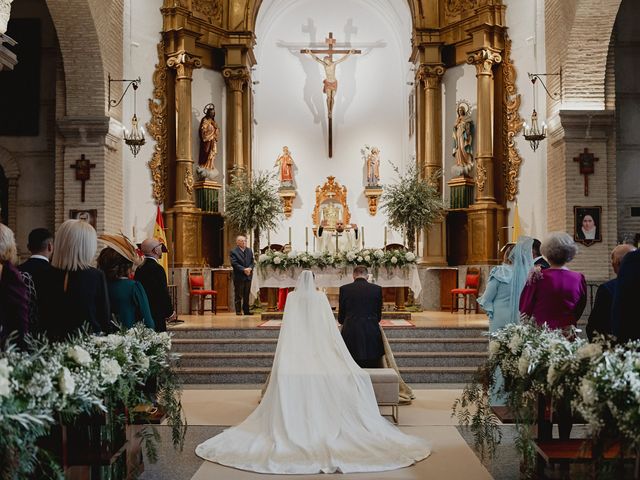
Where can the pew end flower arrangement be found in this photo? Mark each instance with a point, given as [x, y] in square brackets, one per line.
[599, 381]
[57, 384]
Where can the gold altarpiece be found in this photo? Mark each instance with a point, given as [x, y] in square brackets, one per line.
[220, 35]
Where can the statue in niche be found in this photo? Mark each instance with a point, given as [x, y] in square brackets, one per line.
[285, 168]
[372, 161]
[209, 133]
[463, 140]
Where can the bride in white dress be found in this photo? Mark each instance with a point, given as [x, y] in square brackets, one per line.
[319, 412]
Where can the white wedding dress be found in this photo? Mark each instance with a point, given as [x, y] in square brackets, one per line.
[319, 412]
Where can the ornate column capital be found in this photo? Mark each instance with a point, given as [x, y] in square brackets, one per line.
[236, 77]
[184, 63]
[430, 75]
[484, 60]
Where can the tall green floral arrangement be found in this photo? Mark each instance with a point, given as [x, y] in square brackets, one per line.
[253, 204]
[413, 203]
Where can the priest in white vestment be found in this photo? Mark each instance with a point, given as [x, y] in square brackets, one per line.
[347, 238]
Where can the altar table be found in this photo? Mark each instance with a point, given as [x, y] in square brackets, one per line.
[335, 277]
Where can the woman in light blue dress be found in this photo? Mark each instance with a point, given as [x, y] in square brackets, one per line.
[501, 298]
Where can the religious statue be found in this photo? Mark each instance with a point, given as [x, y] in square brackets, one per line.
[285, 168]
[330, 83]
[463, 140]
[209, 133]
[372, 159]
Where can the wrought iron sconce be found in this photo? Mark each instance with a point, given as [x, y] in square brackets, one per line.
[533, 133]
[134, 138]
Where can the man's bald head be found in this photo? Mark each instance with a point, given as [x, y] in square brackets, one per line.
[152, 247]
[618, 253]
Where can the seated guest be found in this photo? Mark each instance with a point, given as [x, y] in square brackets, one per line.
[74, 295]
[538, 259]
[600, 318]
[36, 268]
[154, 280]
[14, 307]
[127, 297]
[624, 314]
[556, 297]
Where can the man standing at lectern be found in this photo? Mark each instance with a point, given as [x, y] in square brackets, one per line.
[242, 263]
[360, 314]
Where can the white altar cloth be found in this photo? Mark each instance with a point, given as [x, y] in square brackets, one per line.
[335, 277]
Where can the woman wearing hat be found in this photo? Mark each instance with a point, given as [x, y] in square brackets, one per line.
[127, 297]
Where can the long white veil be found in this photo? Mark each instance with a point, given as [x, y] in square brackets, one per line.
[319, 412]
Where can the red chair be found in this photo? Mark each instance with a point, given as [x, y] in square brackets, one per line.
[471, 286]
[197, 291]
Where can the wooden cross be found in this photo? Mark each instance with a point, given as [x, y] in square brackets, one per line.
[83, 168]
[587, 167]
[330, 82]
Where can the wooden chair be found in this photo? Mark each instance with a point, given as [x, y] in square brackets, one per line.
[471, 287]
[197, 291]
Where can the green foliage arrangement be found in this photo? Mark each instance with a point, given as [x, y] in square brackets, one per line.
[253, 204]
[56, 383]
[598, 380]
[413, 203]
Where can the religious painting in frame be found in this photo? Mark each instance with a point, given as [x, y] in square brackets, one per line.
[587, 225]
[90, 216]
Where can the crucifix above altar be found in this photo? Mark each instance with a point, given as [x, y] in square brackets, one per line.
[330, 83]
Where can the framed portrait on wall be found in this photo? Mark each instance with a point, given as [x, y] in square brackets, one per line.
[90, 216]
[587, 226]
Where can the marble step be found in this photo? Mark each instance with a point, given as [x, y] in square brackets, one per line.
[391, 332]
[264, 359]
[472, 344]
[258, 375]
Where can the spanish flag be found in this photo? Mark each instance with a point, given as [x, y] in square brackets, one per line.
[516, 225]
[158, 232]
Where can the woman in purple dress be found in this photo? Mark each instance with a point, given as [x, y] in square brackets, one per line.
[556, 297]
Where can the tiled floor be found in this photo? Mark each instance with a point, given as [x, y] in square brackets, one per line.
[420, 319]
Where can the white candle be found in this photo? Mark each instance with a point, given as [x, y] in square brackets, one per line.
[385, 237]
[289, 236]
[363, 237]
[268, 240]
[306, 238]
[314, 244]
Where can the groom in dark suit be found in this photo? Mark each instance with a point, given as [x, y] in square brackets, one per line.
[360, 313]
[242, 263]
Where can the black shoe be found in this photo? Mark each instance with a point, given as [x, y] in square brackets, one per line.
[176, 321]
[238, 313]
[247, 313]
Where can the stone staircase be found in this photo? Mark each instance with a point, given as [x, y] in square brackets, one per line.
[245, 355]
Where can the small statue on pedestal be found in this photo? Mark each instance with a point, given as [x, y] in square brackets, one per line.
[463, 140]
[285, 168]
[371, 157]
[209, 133]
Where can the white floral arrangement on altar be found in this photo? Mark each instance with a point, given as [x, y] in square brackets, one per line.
[50, 382]
[374, 258]
[598, 380]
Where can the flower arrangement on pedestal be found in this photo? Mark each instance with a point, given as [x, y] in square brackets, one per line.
[49, 383]
[598, 380]
[366, 257]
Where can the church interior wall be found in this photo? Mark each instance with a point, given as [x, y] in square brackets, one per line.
[371, 106]
[525, 22]
[35, 154]
[140, 58]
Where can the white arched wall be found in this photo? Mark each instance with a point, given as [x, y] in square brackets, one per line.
[371, 106]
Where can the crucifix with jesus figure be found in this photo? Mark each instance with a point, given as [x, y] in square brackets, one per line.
[83, 168]
[330, 83]
[586, 160]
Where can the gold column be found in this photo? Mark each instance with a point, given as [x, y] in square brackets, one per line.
[184, 220]
[237, 78]
[430, 77]
[485, 217]
[484, 60]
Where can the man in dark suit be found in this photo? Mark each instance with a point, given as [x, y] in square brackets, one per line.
[154, 280]
[600, 317]
[360, 313]
[242, 263]
[41, 247]
[538, 259]
[624, 314]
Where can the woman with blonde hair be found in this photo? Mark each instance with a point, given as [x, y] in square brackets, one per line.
[14, 301]
[75, 294]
